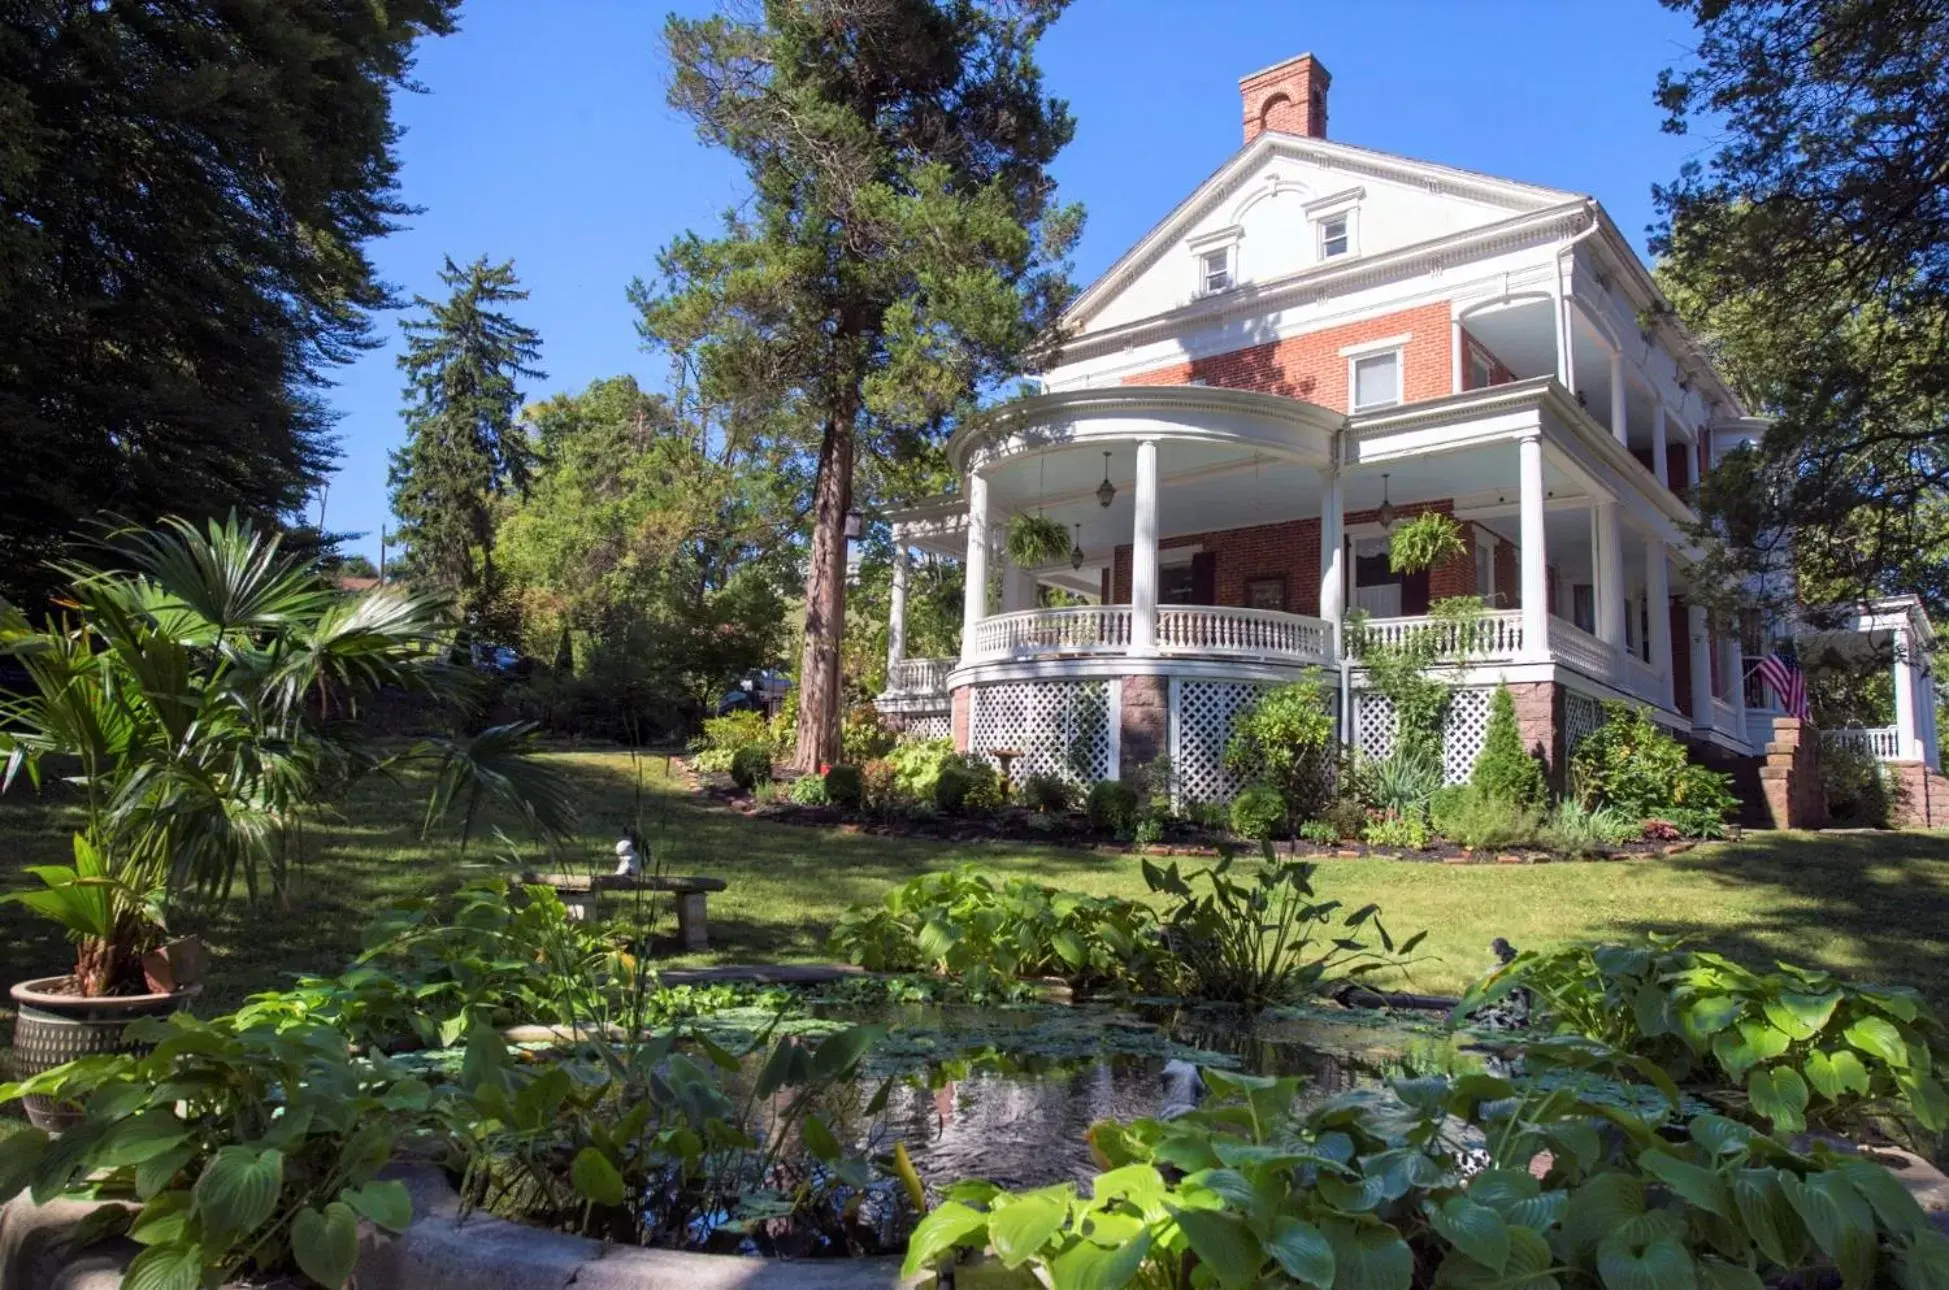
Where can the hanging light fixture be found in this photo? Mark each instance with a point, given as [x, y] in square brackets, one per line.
[1076, 549]
[1387, 514]
[1106, 492]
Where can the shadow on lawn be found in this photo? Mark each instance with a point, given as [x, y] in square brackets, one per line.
[1878, 899]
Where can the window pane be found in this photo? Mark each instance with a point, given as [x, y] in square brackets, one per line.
[1377, 381]
[1333, 236]
[1218, 274]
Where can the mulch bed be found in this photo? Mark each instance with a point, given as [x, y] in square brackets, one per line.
[1072, 830]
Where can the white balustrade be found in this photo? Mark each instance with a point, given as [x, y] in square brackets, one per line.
[1082, 629]
[1485, 638]
[1641, 679]
[1883, 743]
[919, 675]
[1723, 717]
[1576, 647]
[1215, 630]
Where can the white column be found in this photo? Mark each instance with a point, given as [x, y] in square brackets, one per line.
[1908, 725]
[1658, 608]
[1566, 369]
[1698, 629]
[1143, 554]
[1733, 643]
[974, 601]
[1659, 469]
[1609, 574]
[1457, 367]
[1333, 544]
[897, 610]
[1535, 573]
[1018, 589]
[1692, 457]
[1619, 431]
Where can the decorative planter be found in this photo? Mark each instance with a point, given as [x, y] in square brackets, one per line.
[52, 1028]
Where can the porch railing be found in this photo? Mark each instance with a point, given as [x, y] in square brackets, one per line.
[1883, 743]
[1488, 638]
[919, 675]
[1723, 718]
[1082, 629]
[1242, 633]
[1571, 644]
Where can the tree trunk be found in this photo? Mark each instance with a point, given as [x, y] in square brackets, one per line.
[825, 598]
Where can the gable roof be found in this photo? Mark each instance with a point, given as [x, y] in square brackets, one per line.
[1518, 198]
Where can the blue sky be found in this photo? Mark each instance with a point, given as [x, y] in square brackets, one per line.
[542, 136]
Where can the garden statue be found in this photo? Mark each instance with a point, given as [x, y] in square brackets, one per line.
[627, 865]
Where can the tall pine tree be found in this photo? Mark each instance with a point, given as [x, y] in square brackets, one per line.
[464, 447]
[900, 252]
[186, 193]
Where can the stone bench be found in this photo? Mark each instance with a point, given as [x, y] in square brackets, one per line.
[580, 891]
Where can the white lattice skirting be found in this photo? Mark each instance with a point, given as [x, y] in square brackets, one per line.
[1468, 722]
[1202, 716]
[1582, 715]
[1059, 727]
[933, 725]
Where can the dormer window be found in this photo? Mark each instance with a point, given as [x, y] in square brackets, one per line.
[1335, 237]
[1215, 270]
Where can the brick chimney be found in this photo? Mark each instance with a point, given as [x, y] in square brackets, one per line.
[1288, 97]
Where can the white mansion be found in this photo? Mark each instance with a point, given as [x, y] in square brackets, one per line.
[1318, 341]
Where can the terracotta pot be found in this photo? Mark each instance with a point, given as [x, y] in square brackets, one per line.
[52, 1028]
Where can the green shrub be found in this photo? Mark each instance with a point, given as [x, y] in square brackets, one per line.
[1286, 739]
[845, 787]
[1639, 771]
[1403, 783]
[1258, 812]
[1047, 793]
[1466, 815]
[880, 791]
[967, 785]
[724, 735]
[751, 766]
[1857, 787]
[810, 790]
[1323, 833]
[864, 735]
[1805, 1046]
[917, 764]
[1578, 830]
[1409, 832]
[1112, 808]
[1503, 771]
[1346, 816]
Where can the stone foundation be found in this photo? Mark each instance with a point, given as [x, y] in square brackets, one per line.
[960, 716]
[1146, 720]
[1922, 796]
[1789, 777]
[1539, 716]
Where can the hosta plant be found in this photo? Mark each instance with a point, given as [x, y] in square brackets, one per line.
[1792, 1047]
[1368, 1191]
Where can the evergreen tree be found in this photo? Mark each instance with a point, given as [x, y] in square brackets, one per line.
[1503, 771]
[464, 448]
[899, 253]
[186, 193]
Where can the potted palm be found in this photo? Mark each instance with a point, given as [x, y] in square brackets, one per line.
[197, 696]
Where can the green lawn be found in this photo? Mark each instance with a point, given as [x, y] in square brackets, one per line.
[1874, 906]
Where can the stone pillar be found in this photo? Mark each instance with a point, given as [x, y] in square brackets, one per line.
[974, 601]
[1790, 776]
[897, 610]
[1619, 431]
[1143, 554]
[1333, 547]
[1699, 630]
[1609, 580]
[960, 721]
[1658, 608]
[1144, 721]
[1660, 467]
[1908, 725]
[1536, 573]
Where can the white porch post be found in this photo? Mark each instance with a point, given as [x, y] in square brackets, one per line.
[1143, 554]
[1018, 589]
[1619, 431]
[1609, 588]
[1658, 607]
[974, 601]
[1333, 543]
[1698, 629]
[1660, 468]
[1535, 572]
[1908, 725]
[1733, 644]
[1692, 458]
[897, 609]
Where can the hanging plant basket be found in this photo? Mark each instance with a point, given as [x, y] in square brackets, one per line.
[1419, 544]
[1035, 540]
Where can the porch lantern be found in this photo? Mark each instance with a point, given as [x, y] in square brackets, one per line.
[1076, 549]
[855, 524]
[1386, 514]
[1106, 492]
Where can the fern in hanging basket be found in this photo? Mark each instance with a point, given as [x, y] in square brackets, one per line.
[1036, 540]
[1419, 544]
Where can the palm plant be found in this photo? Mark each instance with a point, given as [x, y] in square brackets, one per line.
[200, 692]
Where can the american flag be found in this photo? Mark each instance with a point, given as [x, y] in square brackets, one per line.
[1781, 672]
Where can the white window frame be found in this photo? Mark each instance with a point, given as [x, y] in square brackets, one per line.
[1224, 241]
[1323, 224]
[1358, 354]
[1324, 211]
[1206, 271]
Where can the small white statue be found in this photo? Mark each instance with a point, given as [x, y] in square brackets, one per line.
[627, 865]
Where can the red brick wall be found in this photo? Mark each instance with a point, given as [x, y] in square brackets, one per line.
[1508, 575]
[1291, 549]
[1310, 367]
[1499, 373]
